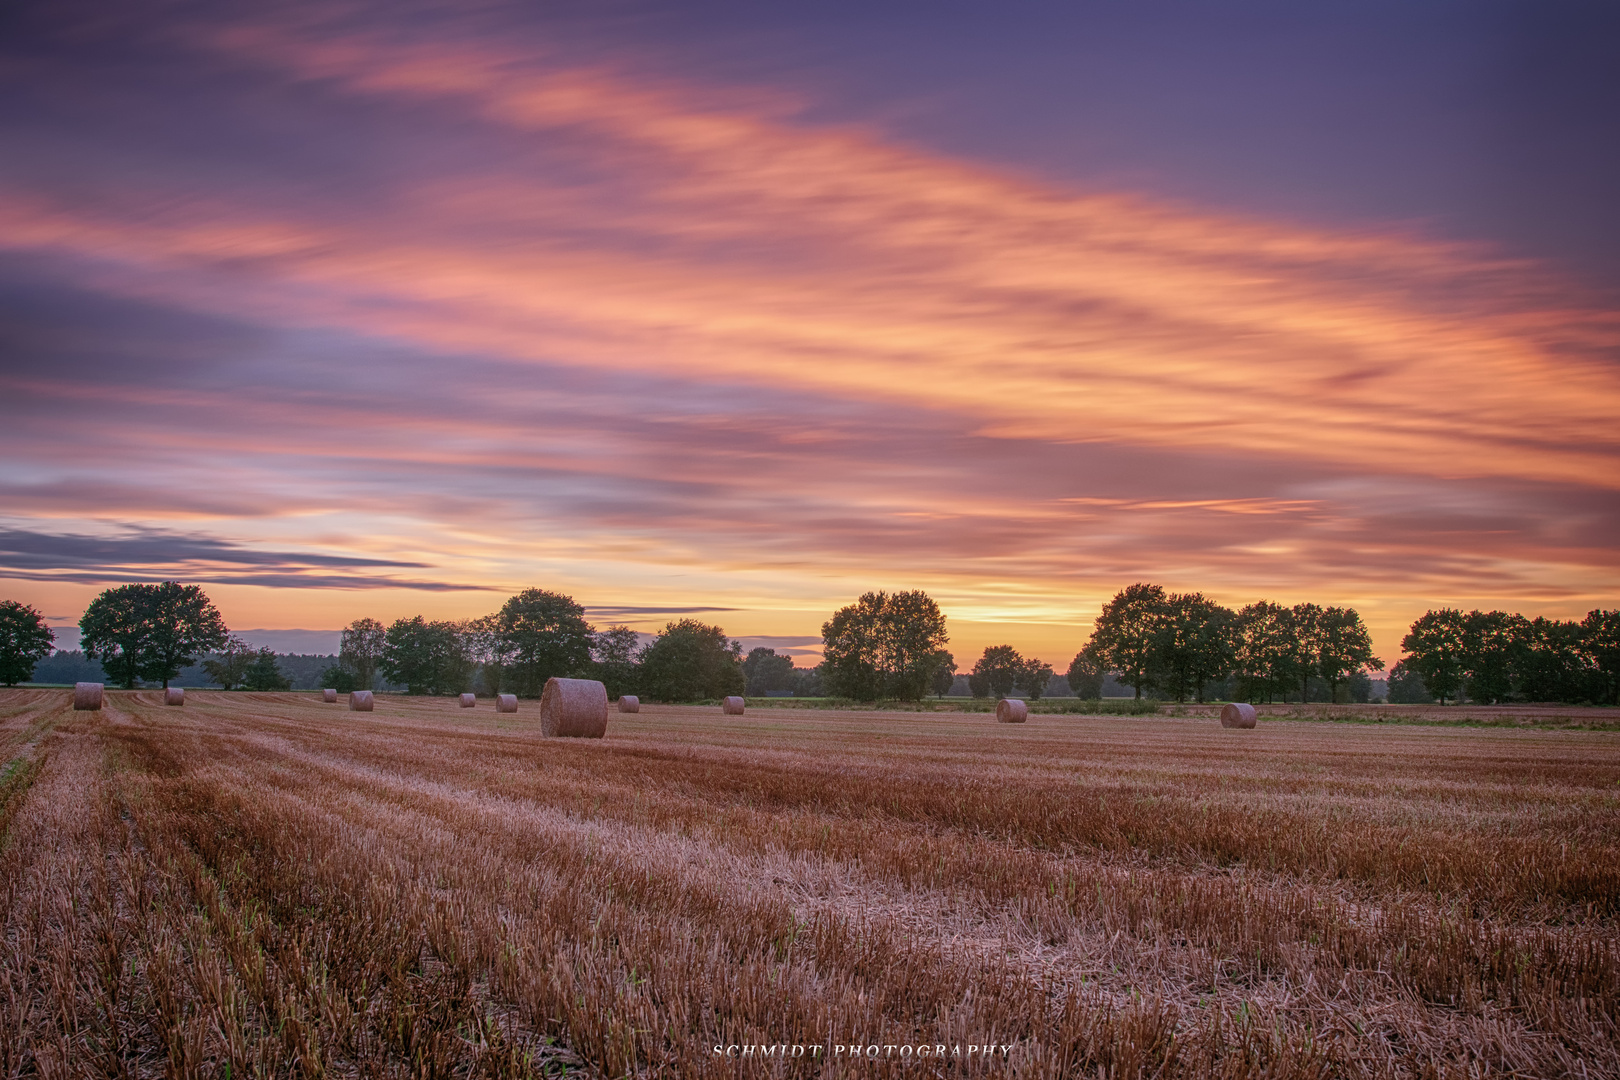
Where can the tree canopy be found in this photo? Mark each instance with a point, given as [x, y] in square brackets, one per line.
[25, 640]
[150, 631]
[691, 660]
[542, 635]
[884, 645]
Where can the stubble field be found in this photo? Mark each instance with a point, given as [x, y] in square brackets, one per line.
[260, 884]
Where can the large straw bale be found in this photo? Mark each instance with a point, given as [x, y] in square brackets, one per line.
[174, 695]
[468, 701]
[574, 708]
[87, 696]
[506, 703]
[1237, 714]
[1011, 711]
[329, 695]
[732, 706]
[360, 701]
[629, 703]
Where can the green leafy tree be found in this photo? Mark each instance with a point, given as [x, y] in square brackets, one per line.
[339, 678]
[426, 656]
[1344, 648]
[1437, 651]
[542, 635]
[944, 673]
[883, 645]
[1550, 666]
[1305, 625]
[1493, 648]
[1405, 687]
[1265, 649]
[361, 650]
[999, 670]
[1194, 642]
[150, 631]
[265, 673]
[1086, 674]
[765, 671]
[614, 653]
[229, 665]
[1126, 635]
[1600, 649]
[25, 640]
[1033, 677]
[691, 660]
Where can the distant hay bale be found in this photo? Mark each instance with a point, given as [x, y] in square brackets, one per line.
[573, 708]
[1237, 714]
[468, 701]
[1011, 711]
[732, 706]
[506, 703]
[87, 696]
[360, 701]
[329, 695]
[629, 703]
[174, 695]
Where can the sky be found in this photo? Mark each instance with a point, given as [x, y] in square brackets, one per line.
[738, 311]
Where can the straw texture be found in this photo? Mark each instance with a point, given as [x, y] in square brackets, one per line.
[468, 701]
[174, 695]
[629, 703]
[573, 708]
[1011, 711]
[506, 703]
[329, 695]
[732, 706]
[87, 696]
[360, 701]
[1237, 714]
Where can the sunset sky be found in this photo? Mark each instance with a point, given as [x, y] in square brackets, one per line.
[741, 310]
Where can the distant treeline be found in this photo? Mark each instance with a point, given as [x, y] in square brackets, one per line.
[1498, 656]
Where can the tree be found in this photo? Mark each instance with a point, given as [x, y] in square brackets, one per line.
[944, 673]
[426, 656]
[1086, 674]
[1304, 622]
[339, 678]
[999, 670]
[1265, 648]
[25, 640]
[150, 631]
[1600, 648]
[1437, 652]
[883, 645]
[265, 673]
[1344, 648]
[362, 648]
[542, 635]
[229, 665]
[1194, 643]
[1126, 635]
[764, 671]
[1033, 677]
[1550, 664]
[1405, 687]
[182, 624]
[1493, 643]
[614, 653]
[690, 660]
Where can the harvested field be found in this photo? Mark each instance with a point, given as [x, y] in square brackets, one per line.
[263, 884]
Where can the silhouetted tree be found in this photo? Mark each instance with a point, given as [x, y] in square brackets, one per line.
[883, 645]
[944, 673]
[1265, 650]
[764, 671]
[1343, 648]
[542, 635]
[150, 631]
[1194, 643]
[1086, 674]
[614, 653]
[25, 640]
[1126, 635]
[426, 656]
[265, 673]
[229, 664]
[1600, 648]
[1437, 651]
[999, 669]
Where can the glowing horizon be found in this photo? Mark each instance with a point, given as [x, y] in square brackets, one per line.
[667, 345]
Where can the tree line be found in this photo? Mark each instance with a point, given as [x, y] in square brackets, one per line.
[883, 646]
[1499, 656]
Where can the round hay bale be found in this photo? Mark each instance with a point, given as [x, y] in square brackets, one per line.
[468, 701]
[629, 703]
[329, 695]
[506, 703]
[1237, 714]
[573, 708]
[174, 695]
[87, 696]
[1011, 711]
[732, 706]
[360, 701]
